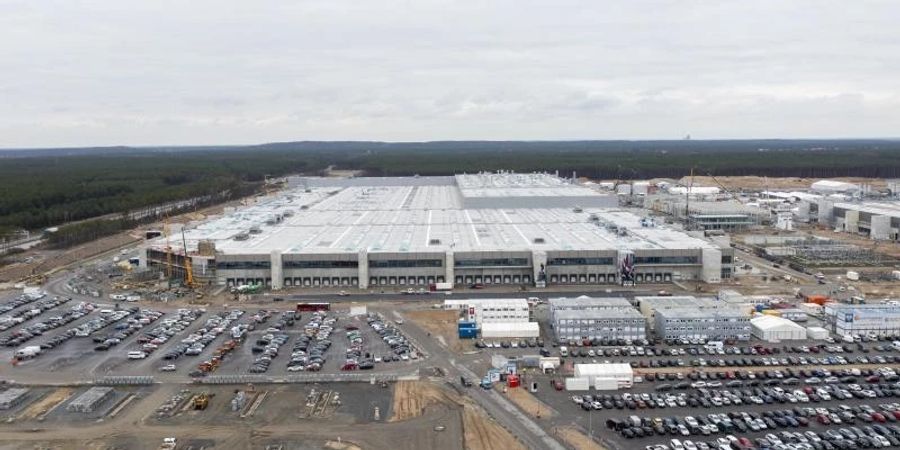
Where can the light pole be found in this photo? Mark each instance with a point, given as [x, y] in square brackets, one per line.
[591, 423]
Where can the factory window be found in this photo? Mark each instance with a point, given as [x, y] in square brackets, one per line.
[666, 260]
[580, 262]
[246, 265]
[320, 264]
[727, 259]
[401, 263]
[491, 262]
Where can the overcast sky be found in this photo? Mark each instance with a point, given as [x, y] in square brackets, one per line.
[114, 72]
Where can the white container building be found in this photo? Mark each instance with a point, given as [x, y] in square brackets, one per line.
[816, 333]
[855, 320]
[578, 384]
[499, 330]
[492, 310]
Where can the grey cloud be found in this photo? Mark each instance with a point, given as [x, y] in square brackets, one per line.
[103, 72]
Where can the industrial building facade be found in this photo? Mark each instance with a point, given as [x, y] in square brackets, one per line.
[688, 317]
[711, 324]
[868, 319]
[488, 229]
[596, 318]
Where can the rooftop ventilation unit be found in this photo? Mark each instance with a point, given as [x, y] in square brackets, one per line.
[538, 240]
[434, 242]
[241, 237]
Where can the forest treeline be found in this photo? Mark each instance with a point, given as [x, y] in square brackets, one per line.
[48, 187]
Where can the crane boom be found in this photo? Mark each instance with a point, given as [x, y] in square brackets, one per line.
[188, 270]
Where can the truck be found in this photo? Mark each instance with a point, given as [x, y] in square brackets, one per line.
[435, 287]
[28, 352]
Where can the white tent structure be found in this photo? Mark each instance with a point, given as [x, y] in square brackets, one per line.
[606, 376]
[774, 329]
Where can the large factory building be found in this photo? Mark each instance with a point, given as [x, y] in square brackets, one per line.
[489, 229]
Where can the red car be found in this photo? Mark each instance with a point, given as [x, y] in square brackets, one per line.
[879, 417]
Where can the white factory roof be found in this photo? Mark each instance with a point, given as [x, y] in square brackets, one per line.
[834, 186]
[805, 196]
[419, 218]
[889, 208]
[694, 190]
[519, 185]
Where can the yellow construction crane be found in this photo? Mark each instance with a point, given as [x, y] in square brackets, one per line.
[188, 270]
[168, 249]
[732, 194]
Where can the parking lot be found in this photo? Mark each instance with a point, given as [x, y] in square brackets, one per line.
[764, 390]
[98, 339]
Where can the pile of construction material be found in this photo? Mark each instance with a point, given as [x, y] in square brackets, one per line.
[12, 397]
[89, 401]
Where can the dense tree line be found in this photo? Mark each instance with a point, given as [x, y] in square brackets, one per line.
[43, 188]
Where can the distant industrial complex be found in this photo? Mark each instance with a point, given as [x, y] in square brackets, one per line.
[488, 228]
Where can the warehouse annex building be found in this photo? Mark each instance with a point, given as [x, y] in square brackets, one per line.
[488, 228]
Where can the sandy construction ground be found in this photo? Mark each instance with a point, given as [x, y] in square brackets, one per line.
[577, 439]
[529, 403]
[480, 432]
[440, 323]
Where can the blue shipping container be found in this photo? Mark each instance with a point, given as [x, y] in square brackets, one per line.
[468, 333]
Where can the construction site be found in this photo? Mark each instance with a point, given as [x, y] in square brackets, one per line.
[184, 339]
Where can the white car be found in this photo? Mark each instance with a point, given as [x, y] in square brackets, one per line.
[167, 368]
[136, 355]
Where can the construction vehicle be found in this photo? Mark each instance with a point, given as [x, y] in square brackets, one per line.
[201, 401]
[209, 366]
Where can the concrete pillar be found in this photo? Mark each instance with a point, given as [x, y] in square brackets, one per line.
[803, 211]
[851, 221]
[712, 265]
[449, 268]
[276, 271]
[880, 227]
[538, 263]
[363, 269]
[826, 212]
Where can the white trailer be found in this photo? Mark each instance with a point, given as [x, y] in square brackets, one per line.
[578, 384]
[28, 352]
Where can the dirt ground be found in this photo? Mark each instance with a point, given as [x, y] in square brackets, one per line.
[45, 404]
[335, 445]
[761, 183]
[413, 398]
[442, 324]
[529, 403]
[577, 439]
[57, 259]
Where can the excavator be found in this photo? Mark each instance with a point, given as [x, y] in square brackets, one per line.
[201, 401]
